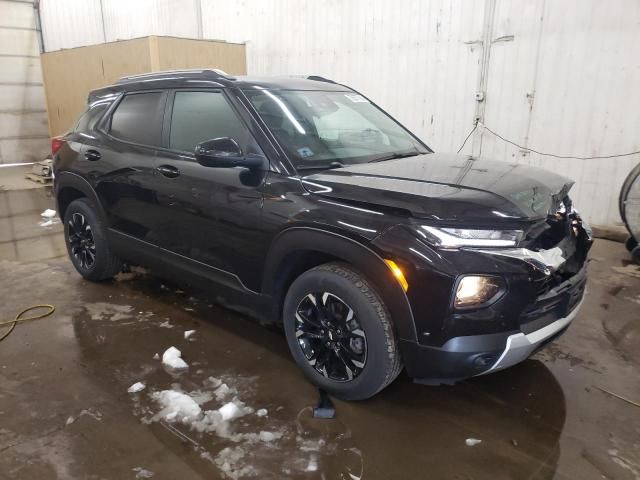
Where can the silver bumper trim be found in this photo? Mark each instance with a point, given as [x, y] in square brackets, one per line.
[520, 346]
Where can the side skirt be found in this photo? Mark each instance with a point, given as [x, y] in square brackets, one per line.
[225, 287]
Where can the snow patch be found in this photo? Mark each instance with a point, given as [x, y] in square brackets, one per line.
[136, 387]
[472, 442]
[262, 412]
[172, 358]
[166, 324]
[48, 213]
[188, 334]
[177, 406]
[142, 473]
[227, 460]
[224, 391]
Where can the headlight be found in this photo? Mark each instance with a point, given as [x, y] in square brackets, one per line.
[467, 237]
[476, 290]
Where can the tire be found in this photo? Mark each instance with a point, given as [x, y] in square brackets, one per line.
[85, 235]
[333, 308]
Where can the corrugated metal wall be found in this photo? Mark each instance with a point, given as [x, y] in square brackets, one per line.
[23, 120]
[559, 76]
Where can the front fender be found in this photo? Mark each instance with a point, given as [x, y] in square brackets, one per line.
[360, 256]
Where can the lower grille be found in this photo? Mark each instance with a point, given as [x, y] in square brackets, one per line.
[557, 302]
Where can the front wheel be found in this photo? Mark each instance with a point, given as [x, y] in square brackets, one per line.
[340, 333]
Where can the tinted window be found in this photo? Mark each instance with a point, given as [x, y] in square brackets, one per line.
[200, 116]
[138, 118]
[90, 117]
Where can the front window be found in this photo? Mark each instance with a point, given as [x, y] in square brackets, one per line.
[323, 129]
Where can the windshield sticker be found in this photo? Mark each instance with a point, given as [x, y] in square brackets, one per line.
[356, 98]
[305, 152]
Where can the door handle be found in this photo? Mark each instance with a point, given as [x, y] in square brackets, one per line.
[92, 155]
[168, 171]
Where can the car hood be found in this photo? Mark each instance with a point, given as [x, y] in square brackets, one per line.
[446, 187]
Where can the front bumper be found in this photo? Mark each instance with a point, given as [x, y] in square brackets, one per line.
[521, 346]
[468, 356]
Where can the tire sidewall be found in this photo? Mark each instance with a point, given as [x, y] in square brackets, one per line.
[372, 378]
[84, 207]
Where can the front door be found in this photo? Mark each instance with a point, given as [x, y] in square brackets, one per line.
[209, 215]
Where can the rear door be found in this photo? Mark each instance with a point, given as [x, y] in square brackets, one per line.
[209, 215]
[120, 162]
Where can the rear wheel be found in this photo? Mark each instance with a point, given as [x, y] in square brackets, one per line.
[87, 244]
[340, 333]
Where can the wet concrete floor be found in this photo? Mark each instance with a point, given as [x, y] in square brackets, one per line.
[65, 411]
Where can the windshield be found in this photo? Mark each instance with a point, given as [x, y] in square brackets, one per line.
[320, 129]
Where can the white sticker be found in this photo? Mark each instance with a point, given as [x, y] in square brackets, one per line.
[356, 98]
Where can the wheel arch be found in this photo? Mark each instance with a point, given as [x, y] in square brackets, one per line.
[69, 187]
[298, 249]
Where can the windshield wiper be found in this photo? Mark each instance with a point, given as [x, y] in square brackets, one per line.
[321, 167]
[394, 156]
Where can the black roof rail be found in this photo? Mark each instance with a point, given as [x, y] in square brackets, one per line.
[205, 73]
[318, 78]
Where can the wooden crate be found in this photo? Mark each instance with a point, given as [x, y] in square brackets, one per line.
[69, 75]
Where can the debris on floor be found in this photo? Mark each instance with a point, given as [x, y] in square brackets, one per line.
[472, 442]
[188, 334]
[630, 270]
[172, 358]
[48, 213]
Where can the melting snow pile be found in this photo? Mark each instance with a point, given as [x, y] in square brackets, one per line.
[136, 387]
[172, 358]
[177, 406]
[48, 218]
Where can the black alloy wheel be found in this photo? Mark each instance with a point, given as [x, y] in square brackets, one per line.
[330, 336]
[81, 241]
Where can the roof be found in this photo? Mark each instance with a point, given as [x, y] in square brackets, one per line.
[218, 79]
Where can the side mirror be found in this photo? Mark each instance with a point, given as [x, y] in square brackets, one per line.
[225, 152]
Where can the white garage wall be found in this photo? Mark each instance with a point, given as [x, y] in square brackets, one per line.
[23, 120]
[558, 76]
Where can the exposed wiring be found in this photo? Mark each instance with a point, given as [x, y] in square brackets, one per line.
[595, 157]
[468, 136]
[19, 318]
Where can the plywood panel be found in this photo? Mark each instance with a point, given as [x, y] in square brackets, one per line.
[176, 53]
[69, 75]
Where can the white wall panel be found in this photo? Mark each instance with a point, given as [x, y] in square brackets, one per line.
[562, 75]
[71, 23]
[23, 124]
[16, 15]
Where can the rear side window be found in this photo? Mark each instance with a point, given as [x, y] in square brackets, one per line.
[138, 118]
[90, 117]
[200, 116]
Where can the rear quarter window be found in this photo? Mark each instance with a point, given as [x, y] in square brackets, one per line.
[138, 118]
[90, 117]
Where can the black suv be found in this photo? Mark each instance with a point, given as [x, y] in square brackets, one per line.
[299, 201]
